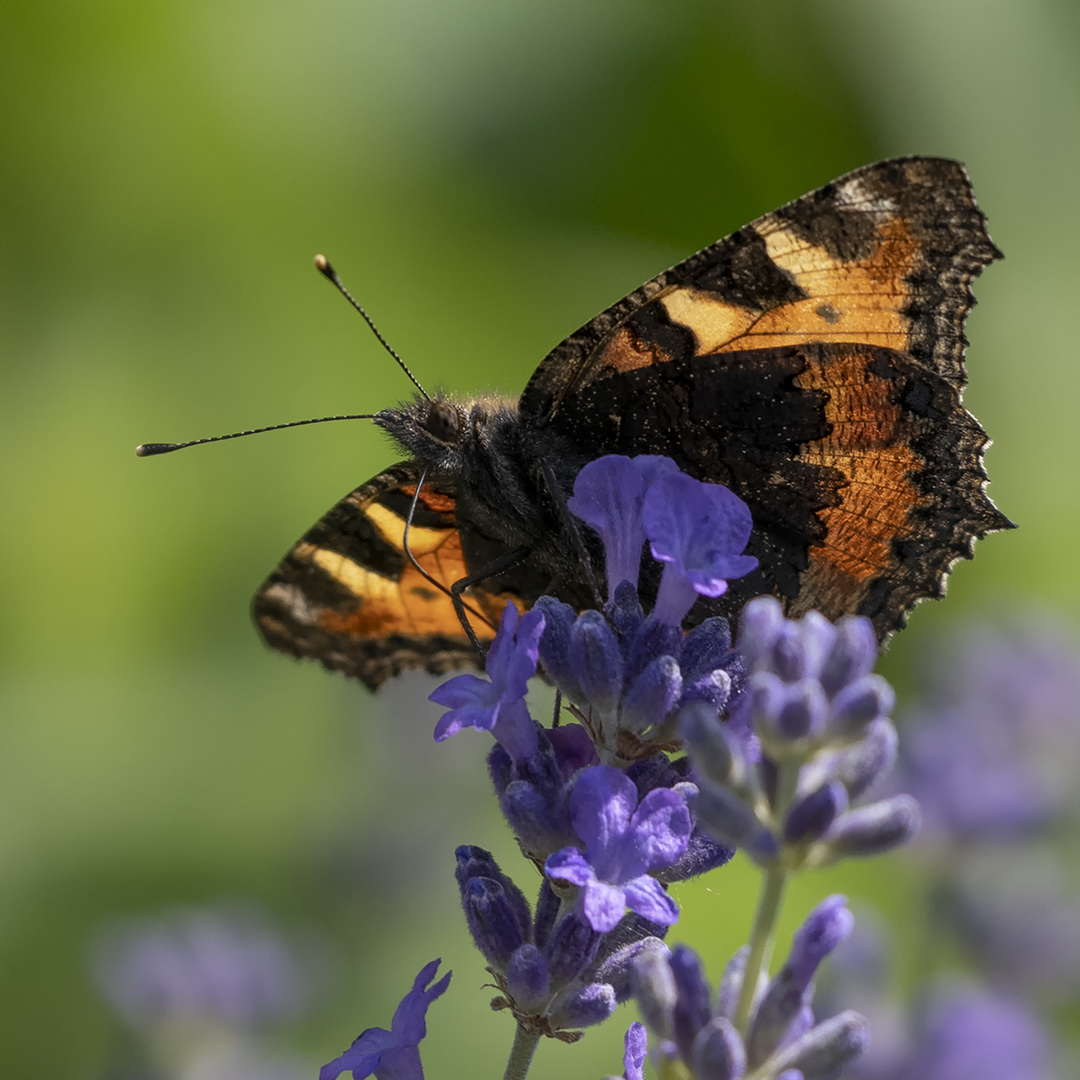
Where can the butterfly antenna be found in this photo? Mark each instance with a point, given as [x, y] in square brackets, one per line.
[322, 264]
[152, 448]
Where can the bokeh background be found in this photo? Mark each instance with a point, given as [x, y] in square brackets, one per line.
[486, 176]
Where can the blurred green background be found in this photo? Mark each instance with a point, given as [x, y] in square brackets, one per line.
[486, 176]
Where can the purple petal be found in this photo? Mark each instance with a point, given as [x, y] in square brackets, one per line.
[574, 749]
[520, 664]
[700, 528]
[502, 647]
[516, 731]
[647, 897]
[608, 493]
[603, 905]
[465, 691]
[409, 1024]
[394, 1054]
[636, 1048]
[452, 722]
[569, 864]
[601, 806]
[824, 928]
[661, 829]
[362, 1058]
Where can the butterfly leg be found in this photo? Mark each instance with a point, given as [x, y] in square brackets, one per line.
[501, 564]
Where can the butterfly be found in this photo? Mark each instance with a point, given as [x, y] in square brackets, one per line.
[811, 361]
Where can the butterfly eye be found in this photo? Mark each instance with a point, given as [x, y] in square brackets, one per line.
[443, 422]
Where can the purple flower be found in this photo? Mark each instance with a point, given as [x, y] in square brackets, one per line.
[608, 495]
[695, 1026]
[551, 967]
[699, 531]
[954, 1031]
[497, 704]
[974, 1033]
[1019, 919]
[818, 714]
[995, 749]
[623, 842]
[630, 676]
[393, 1054]
[230, 964]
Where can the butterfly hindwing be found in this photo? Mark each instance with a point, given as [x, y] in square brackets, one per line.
[348, 596]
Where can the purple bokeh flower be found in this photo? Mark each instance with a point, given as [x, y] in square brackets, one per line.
[230, 964]
[995, 748]
[497, 704]
[1017, 914]
[699, 532]
[393, 1054]
[965, 1033]
[623, 842]
[952, 1031]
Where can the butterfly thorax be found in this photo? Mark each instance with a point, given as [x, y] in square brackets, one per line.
[483, 451]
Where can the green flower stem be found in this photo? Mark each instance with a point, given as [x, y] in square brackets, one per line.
[772, 892]
[521, 1054]
[761, 939]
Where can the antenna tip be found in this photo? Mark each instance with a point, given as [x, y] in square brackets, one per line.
[322, 264]
[151, 448]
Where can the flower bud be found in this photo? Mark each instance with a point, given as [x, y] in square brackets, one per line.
[718, 1052]
[869, 830]
[583, 1007]
[493, 920]
[812, 815]
[527, 978]
[824, 1049]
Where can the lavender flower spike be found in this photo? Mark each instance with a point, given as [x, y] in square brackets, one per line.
[623, 842]
[695, 1030]
[699, 531]
[393, 1054]
[497, 704]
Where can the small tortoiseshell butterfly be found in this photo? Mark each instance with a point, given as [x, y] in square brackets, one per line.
[812, 362]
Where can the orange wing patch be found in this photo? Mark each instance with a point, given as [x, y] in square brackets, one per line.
[846, 302]
[408, 603]
[883, 257]
[348, 595]
[870, 443]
